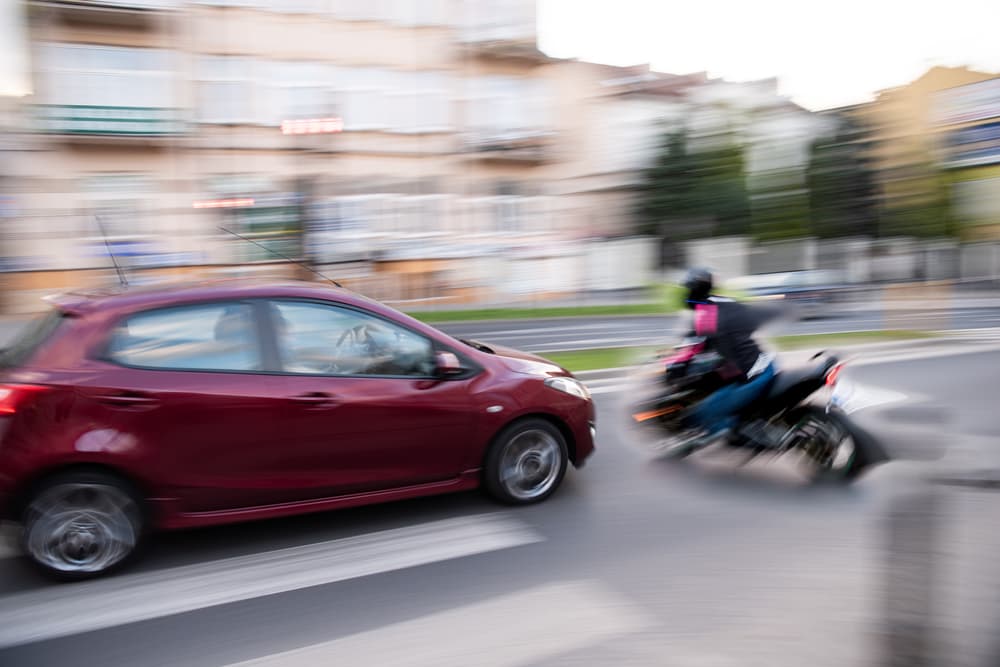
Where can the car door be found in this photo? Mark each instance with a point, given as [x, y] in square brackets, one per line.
[368, 412]
[187, 386]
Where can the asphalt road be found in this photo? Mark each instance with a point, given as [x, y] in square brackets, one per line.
[633, 562]
[549, 335]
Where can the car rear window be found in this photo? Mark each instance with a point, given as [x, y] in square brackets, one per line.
[30, 338]
[204, 337]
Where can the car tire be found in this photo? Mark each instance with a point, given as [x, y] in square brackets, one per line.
[82, 524]
[526, 462]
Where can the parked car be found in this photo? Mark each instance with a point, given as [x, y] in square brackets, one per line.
[128, 411]
[808, 294]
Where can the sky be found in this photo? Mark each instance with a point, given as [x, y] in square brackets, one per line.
[824, 53]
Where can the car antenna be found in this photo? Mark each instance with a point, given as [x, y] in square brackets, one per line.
[114, 260]
[285, 257]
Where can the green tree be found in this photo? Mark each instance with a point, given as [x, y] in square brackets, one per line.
[721, 190]
[687, 194]
[918, 203]
[842, 192]
[668, 185]
[779, 205]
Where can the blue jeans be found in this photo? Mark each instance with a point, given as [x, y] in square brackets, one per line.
[718, 411]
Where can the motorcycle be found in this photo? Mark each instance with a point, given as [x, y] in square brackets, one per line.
[783, 419]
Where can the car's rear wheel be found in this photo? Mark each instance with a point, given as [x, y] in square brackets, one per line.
[526, 463]
[81, 524]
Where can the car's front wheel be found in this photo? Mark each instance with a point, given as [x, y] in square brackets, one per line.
[526, 462]
[81, 524]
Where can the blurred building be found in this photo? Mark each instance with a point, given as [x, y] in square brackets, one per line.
[902, 144]
[162, 119]
[967, 120]
[413, 149]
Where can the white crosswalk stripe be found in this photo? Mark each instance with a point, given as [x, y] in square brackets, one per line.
[60, 611]
[527, 627]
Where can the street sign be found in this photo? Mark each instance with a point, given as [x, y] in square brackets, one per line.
[239, 202]
[313, 126]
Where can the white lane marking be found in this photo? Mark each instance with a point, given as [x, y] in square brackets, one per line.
[568, 345]
[583, 333]
[603, 381]
[613, 389]
[851, 396]
[545, 330]
[913, 355]
[60, 611]
[522, 628]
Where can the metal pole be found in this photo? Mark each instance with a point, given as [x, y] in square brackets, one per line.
[909, 637]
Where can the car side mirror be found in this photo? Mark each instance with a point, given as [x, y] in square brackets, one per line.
[447, 364]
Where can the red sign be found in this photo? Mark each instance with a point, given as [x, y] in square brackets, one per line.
[224, 203]
[313, 126]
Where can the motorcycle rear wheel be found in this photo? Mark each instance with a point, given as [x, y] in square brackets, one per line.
[826, 441]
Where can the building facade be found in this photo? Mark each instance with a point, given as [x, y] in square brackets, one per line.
[153, 123]
[903, 145]
[413, 149]
[967, 120]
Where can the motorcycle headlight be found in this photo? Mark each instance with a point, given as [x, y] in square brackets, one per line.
[569, 386]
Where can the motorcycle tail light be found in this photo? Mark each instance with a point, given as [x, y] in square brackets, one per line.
[831, 377]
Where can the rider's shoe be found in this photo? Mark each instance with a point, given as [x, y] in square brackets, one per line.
[707, 438]
[690, 441]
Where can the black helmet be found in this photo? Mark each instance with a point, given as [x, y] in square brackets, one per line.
[698, 283]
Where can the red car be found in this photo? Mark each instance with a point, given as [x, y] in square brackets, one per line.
[134, 410]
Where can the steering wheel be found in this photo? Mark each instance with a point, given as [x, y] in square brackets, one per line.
[356, 336]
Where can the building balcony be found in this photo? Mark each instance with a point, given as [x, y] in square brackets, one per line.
[525, 147]
[113, 122]
[133, 13]
[502, 42]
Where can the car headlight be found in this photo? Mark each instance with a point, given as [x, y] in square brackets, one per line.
[569, 386]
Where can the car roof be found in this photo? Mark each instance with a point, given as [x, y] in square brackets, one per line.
[83, 302]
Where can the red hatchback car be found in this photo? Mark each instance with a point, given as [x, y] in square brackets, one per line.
[128, 411]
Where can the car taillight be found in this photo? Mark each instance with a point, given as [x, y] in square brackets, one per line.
[13, 396]
[831, 377]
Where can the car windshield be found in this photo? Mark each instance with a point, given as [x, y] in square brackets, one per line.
[28, 340]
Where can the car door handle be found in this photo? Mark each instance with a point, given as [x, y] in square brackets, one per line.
[128, 400]
[315, 400]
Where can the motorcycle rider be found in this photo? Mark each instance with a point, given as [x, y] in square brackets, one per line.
[728, 327]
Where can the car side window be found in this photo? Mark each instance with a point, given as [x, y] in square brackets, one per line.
[323, 339]
[218, 336]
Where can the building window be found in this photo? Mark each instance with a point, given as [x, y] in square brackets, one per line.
[421, 102]
[120, 218]
[297, 90]
[502, 105]
[407, 13]
[106, 76]
[251, 4]
[227, 90]
[387, 100]
[498, 20]
[119, 200]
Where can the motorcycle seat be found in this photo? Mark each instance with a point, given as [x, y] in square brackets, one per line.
[786, 379]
